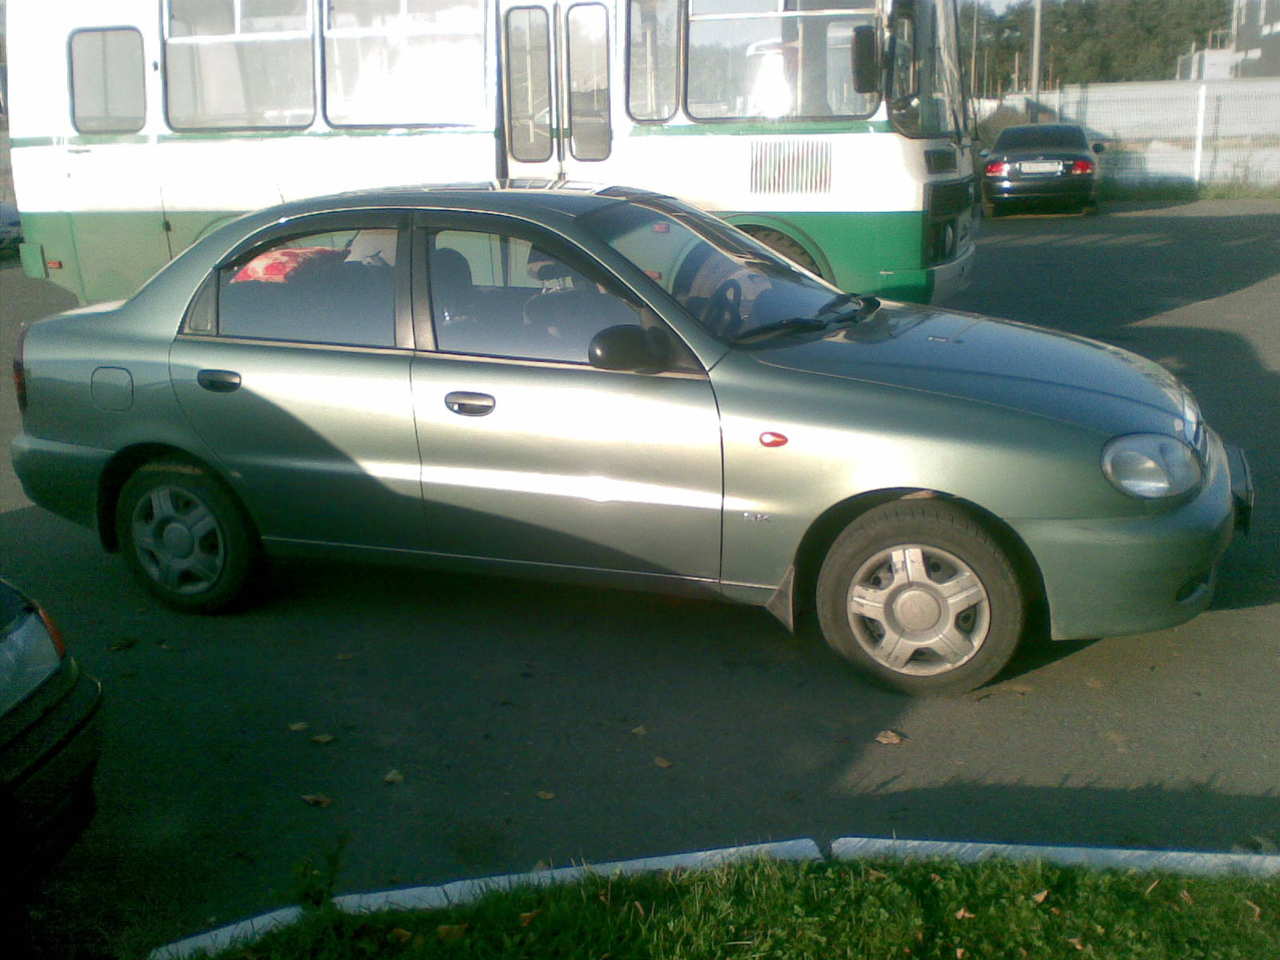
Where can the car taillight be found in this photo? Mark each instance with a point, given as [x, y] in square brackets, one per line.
[55, 635]
[1082, 166]
[998, 168]
[20, 371]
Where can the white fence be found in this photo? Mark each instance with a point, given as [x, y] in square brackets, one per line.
[1214, 131]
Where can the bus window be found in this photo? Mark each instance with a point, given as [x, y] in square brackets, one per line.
[529, 84]
[653, 35]
[747, 59]
[589, 133]
[107, 81]
[394, 64]
[238, 64]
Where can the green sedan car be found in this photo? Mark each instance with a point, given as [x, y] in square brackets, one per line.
[614, 387]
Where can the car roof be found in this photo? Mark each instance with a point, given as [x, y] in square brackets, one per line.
[523, 197]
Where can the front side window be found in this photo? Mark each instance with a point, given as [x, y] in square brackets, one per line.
[497, 295]
[107, 73]
[393, 62]
[336, 287]
[925, 89]
[589, 133]
[653, 37]
[238, 64]
[775, 59]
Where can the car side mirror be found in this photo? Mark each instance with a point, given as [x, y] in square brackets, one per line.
[866, 64]
[1099, 147]
[630, 346]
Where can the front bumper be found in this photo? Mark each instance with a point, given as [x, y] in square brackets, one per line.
[1125, 575]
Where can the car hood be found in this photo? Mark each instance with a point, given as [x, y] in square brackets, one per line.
[965, 355]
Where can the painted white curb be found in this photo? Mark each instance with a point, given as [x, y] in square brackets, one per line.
[1174, 861]
[466, 891]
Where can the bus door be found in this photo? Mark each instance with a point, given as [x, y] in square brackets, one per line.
[113, 198]
[556, 87]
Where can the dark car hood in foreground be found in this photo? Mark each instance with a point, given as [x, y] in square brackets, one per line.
[996, 361]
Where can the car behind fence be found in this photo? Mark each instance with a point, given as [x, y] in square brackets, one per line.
[1172, 133]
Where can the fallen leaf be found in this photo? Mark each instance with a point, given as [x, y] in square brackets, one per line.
[1186, 898]
[639, 908]
[935, 878]
[124, 643]
[299, 726]
[452, 931]
[1077, 942]
[1055, 911]
[639, 731]
[1257, 910]
[527, 918]
[963, 914]
[545, 795]
[322, 738]
[959, 953]
[1041, 896]
[316, 799]
[399, 935]
[890, 737]
[662, 762]
[1154, 883]
[393, 776]
[874, 874]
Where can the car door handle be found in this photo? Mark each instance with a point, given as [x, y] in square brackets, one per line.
[469, 404]
[219, 381]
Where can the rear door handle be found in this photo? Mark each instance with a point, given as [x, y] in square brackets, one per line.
[469, 404]
[219, 381]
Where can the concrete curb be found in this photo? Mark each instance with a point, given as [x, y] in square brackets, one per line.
[466, 891]
[846, 848]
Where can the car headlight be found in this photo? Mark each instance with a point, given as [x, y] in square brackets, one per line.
[1151, 466]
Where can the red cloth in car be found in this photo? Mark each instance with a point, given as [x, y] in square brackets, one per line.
[275, 266]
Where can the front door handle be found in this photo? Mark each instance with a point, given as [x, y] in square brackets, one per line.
[469, 404]
[219, 381]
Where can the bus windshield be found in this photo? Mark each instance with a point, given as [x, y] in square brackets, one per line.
[775, 59]
[925, 86]
[730, 283]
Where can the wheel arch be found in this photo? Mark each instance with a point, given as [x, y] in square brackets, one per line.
[823, 532]
[127, 462]
[753, 223]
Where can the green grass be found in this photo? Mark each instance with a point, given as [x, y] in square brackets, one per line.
[924, 910]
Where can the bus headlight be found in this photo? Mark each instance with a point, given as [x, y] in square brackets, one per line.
[1151, 466]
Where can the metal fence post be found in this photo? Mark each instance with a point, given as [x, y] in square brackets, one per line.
[1199, 154]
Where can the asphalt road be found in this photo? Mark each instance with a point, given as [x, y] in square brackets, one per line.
[488, 695]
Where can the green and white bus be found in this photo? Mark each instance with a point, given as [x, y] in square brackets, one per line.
[834, 130]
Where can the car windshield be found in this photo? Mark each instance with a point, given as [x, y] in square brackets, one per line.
[1021, 138]
[734, 286]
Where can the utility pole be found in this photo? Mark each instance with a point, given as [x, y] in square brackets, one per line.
[1034, 110]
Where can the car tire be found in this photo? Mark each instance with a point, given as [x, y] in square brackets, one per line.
[779, 242]
[918, 596]
[185, 537]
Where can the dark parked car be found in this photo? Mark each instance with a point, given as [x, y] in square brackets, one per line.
[1041, 164]
[49, 740]
[618, 388]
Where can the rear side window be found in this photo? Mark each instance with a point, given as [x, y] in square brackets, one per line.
[336, 288]
[107, 74]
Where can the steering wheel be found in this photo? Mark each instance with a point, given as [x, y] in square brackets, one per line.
[723, 312]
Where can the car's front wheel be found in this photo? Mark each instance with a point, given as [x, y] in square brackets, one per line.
[184, 536]
[918, 595]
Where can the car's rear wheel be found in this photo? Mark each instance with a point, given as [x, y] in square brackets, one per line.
[779, 242]
[917, 595]
[184, 536]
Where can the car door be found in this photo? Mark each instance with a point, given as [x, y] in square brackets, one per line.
[293, 365]
[530, 454]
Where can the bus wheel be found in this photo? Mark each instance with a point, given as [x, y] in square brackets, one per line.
[780, 243]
